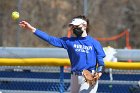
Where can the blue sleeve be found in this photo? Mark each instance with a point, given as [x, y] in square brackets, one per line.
[57, 42]
[100, 55]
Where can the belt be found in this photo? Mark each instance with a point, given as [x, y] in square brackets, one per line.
[80, 73]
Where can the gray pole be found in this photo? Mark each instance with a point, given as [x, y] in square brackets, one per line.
[18, 30]
[85, 7]
[1, 33]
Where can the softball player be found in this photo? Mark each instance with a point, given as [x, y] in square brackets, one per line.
[84, 52]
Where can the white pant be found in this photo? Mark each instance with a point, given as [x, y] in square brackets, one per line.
[78, 85]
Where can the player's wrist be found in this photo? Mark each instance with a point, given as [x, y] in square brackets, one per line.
[33, 29]
[98, 75]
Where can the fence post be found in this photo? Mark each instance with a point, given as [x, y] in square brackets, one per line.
[61, 88]
[1, 30]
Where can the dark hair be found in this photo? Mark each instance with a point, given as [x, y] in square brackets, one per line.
[86, 19]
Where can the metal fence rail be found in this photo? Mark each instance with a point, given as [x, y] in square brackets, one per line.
[21, 91]
[21, 52]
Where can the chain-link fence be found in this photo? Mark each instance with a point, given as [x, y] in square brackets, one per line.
[45, 79]
[20, 79]
[33, 79]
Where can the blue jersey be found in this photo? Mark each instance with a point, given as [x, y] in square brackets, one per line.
[84, 52]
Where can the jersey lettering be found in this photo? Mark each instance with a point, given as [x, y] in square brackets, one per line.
[82, 48]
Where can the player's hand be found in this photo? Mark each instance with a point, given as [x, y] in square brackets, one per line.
[27, 26]
[97, 76]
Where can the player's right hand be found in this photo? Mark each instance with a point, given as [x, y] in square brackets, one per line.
[97, 76]
[27, 26]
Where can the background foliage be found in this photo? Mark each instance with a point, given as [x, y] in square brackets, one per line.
[107, 18]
